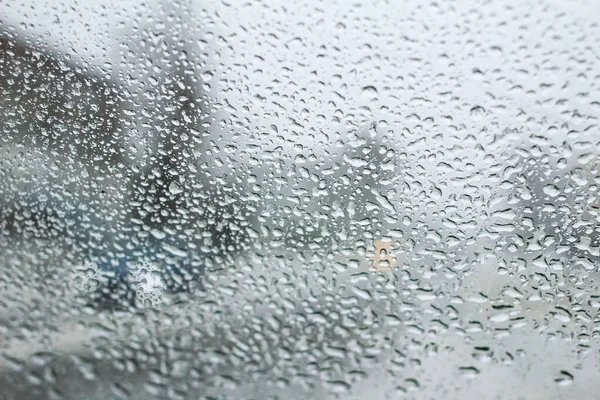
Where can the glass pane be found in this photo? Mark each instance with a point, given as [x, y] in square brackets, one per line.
[292, 200]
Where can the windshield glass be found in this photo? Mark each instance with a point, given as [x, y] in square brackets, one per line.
[292, 200]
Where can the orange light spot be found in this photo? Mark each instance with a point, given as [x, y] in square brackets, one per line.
[383, 259]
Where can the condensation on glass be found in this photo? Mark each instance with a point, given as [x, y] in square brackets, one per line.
[292, 200]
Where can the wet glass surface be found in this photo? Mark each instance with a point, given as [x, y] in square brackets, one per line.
[292, 200]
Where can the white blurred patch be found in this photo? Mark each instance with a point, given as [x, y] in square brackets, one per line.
[147, 281]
